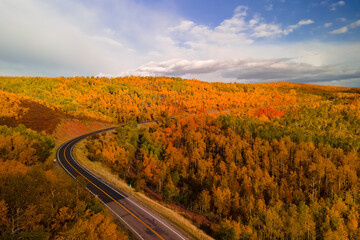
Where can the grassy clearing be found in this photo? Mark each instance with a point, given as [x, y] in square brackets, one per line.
[147, 125]
[105, 173]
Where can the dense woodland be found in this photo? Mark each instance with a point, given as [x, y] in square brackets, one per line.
[257, 161]
[250, 182]
[40, 202]
[147, 98]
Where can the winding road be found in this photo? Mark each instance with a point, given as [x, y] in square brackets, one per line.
[142, 221]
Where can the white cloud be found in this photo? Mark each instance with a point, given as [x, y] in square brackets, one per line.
[355, 24]
[66, 38]
[334, 6]
[268, 30]
[109, 31]
[238, 29]
[250, 70]
[305, 22]
[326, 25]
[240, 11]
[254, 21]
[179, 67]
[184, 26]
[107, 41]
[230, 31]
[340, 30]
[236, 24]
[38, 38]
[299, 24]
[341, 19]
[346, 28]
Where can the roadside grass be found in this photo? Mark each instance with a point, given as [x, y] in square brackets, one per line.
[105, 173]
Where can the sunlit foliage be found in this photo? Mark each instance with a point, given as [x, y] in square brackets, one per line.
[36, 202]
[257, 161]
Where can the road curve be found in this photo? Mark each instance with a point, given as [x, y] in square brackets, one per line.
[143, 222]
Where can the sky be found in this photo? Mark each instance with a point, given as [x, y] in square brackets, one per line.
[246, 41]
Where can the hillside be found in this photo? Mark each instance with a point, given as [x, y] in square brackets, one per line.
[254, 161]
[37, 198]
[147, 98]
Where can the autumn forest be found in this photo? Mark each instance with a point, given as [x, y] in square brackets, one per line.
[240, 161]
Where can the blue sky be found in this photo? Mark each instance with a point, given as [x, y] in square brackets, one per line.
[211, 40]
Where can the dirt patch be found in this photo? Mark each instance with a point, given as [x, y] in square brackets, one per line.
[57, 123]
[71, 128]
[38, 117]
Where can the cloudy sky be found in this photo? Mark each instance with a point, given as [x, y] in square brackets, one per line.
[211, 40]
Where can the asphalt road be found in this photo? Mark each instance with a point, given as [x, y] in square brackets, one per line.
[142, 221]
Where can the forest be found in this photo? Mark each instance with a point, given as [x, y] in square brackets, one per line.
[247, 182]
[37, 201]
[37, 198]
[255, 161]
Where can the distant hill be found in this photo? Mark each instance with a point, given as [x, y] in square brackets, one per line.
[119, 100]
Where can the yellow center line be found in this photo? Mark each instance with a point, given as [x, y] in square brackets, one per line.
[110, 196]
